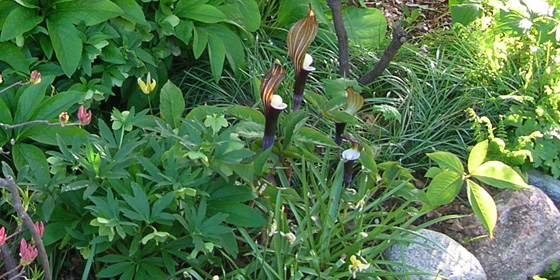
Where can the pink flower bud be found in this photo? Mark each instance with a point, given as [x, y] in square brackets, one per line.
[3, 236]
[40, 227]
[84, 116]
[27, 252]
[35, 78]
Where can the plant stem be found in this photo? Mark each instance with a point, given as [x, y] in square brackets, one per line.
[9, 262]
[13, 85]
[342, 36]
[399, 37]
[9, 182]
[12, 126]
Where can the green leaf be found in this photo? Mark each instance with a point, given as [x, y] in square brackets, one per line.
[234, 52]
[114, 269]
[366, 27]
[172, 104]
[139, 202]
[388, 112]
[26, 154]
[465, 12]
[447, 160]
[30, 100]
[132, 11]
[499, 175]
[244, 13]
[61, 102]
[432, 172]
[67, 43]
[203, 13]
[91, 12]
[250, 130]
[200, 40]
[245, 113]
[240, 215]
[342, 117]
[307, 134]
[444, 188]
[477, 155]
[47, 134]
[12, 55]
[483, 206]
[217, 56]
[19, 21]
[292, 123]
[368, 159]
[230, 194]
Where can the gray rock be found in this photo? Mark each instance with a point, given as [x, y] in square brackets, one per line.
[547, 184]
[526, 237]
[436, 254]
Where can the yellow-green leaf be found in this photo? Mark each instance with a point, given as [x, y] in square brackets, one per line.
[483, 206]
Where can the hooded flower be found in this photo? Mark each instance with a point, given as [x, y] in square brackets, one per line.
[273, 104]
[350, 156]
[354, 103]
[148, 86]
[300, 36]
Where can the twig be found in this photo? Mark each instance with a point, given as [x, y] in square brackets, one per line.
[342, 36]
[12, 126]
[13, 85]
[9, 182]
[399, 37]
[9, 262]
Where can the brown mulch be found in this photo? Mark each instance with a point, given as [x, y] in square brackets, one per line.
[434, 14]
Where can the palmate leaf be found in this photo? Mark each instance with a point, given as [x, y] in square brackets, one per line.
[483, 206]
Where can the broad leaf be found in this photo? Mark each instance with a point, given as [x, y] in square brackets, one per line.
[465, 11]
[172, 104]
[250, 129]
[310, 135]
[292, 123]
[66, 42]
[132, 11]
[447, 160]
[91, 12]
[26, 154]
[244, 13]
[444, 188]
[12, 55]
[61, 102]
[477, 155]
[234, 50]
[30, 100]
[366, 27]
[240, 215]
[203, 13]
[19, 21]
[246, 113]
[217, 55]
[483, 206]
[499, 175]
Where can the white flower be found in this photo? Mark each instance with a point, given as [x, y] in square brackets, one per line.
[350, 154]
[273, 228]
[525, 24]
[307, 63]
[277, 103]
[289, 236]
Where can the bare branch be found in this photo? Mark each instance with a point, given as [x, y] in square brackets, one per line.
[399, 37]
[342, 36]
[12, 126]
[9, 182]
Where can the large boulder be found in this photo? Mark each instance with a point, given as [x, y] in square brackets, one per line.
[547, 184]
[434, 253]
[526, 237]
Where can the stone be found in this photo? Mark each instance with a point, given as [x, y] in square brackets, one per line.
[437, 254]
[526, 237]
[547, 184]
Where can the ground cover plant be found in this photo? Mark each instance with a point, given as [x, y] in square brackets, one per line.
[142, 156]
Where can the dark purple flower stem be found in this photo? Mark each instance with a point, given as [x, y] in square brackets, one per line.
[270, 127]
[339, 130]
[299, 87]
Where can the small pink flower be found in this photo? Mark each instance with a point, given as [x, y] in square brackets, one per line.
[35, 78]
[27, 252]
[3, 236]
[40, 227]
[84, 116]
